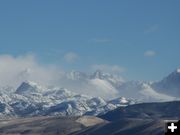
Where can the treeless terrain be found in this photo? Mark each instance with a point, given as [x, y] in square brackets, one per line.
[46, 125]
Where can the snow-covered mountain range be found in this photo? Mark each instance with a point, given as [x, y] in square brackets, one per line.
[84, 94]
[111, 86]
[96, 84]
[31, 99]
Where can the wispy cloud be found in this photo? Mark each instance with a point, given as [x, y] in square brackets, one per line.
[108, 68]
[150, 53]
[14, 70]
[151, 29]
[71, 57]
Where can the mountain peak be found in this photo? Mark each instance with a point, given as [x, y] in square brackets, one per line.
[76, 75]
[98, 74]
[170, 85]
[178, 70]
[174, 74]
[28, 87]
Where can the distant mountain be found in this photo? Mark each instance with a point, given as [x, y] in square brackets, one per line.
[142, 92]
[97, 84]
[115, 80]
[170, 85]
[29, 88]
[110, 86]
[31, 99]
[105, 95]
[105, 92]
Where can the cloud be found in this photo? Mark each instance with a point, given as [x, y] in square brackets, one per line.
[149, 53]
[14, 70]
[151, 29]
[108, 68]
[71, 57]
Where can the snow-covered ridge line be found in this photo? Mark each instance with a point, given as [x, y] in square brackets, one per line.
[111, 86]
[31, 99]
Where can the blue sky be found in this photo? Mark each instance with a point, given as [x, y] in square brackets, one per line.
[140, 37]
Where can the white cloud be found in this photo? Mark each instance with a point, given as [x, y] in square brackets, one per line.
[71, 57]
[149, 53]
[108, 68]
[14, 70]
[151, 29]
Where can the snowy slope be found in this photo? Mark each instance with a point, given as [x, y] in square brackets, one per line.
[31, 99]
[169, 85]
[142, 92]
[96, 84]
[110, 86]
[105, 92]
